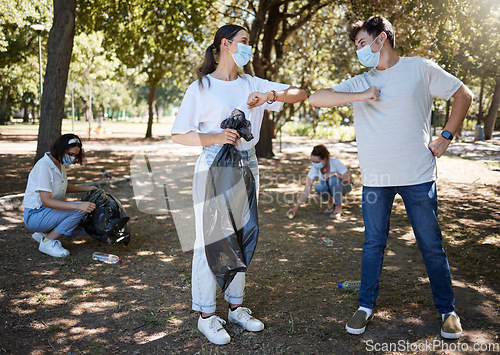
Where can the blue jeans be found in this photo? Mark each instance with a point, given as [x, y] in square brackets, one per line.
[422, 209]
[45, 219]
[333, 187]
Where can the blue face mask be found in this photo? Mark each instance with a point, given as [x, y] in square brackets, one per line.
[68, 160]
[318, 165]
[244, 54]
[366, 57]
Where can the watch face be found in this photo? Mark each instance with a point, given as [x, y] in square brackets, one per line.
[446, 135]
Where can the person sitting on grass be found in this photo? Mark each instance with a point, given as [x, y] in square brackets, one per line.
[335, 182]
[45, 211]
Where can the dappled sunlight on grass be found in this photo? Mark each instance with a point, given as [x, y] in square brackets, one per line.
[142, 305]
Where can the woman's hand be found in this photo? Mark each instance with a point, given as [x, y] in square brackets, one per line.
[85, 206]
[256, 99]
[328, 175]
[227, 136]
[292, 211]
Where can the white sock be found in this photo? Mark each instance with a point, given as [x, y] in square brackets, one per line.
[367, 310]
[444, 315]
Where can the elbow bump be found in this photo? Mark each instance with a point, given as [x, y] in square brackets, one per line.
[313, 101]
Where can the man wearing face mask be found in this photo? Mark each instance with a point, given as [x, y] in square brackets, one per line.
[392, 106]
[45, 211]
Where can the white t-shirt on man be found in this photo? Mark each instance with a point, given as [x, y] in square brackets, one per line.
[335, 167]
[45, 176]
[203, 109]
[393, 133]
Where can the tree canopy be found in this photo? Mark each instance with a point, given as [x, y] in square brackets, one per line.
[121, 46]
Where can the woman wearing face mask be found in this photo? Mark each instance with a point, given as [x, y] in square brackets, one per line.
[45, 211]
[207, 102]
[335, 182]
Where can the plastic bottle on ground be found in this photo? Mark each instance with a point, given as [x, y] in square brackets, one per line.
[350, 285]
[327, 241]
[107, 258]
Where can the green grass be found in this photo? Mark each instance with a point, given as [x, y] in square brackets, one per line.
[157, 317]
[40, 298]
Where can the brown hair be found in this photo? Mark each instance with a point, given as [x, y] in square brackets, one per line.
[209, 64]
[320, 151]
[374, 26]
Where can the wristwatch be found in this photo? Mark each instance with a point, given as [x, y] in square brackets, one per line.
[447, 135]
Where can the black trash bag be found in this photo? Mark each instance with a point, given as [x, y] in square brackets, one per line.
[230, 220]
[108, 222]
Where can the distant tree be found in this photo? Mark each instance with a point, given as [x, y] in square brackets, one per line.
[148, 35]
[19, 52]
[490, 120]
[271, 25]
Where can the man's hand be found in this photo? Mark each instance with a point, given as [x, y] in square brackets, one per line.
[370, 94]
[438, 146]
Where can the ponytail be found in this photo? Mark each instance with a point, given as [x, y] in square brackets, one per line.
[209, 63]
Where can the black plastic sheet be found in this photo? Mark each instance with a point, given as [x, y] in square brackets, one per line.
[230, 220]
[108, 222]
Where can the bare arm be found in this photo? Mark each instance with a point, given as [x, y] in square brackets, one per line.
[332, 98]
[48, 201]
[196, 139]
[302, 196]
[76, 188]
[463, 98]
[290, 95]
[345, 178]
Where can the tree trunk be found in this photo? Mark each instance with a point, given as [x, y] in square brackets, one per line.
[151, 100]
[4, 111]
[59, 48]
[480, 110]
[26, 116]
[264, 148]
[489, 121]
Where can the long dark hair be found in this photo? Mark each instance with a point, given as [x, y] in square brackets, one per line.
[209, 64]
[61, 145]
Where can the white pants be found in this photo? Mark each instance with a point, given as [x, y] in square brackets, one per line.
[203, 286]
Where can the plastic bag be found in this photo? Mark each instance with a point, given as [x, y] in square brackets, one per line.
[230, 220]
[108, 222]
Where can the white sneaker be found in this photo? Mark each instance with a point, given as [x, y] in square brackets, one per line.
[242, 316]
[38, 236]
[53, 248]
[212, 327]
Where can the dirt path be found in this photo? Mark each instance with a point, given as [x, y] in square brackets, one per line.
[142, 306]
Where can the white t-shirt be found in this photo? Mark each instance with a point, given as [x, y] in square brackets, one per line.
[203, 109]
[393, 133]
[45, 176]
[335, 167]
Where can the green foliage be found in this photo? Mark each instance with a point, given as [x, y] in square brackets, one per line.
[149, 36]
[97, 75]
[19, 52]
[125, 48]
